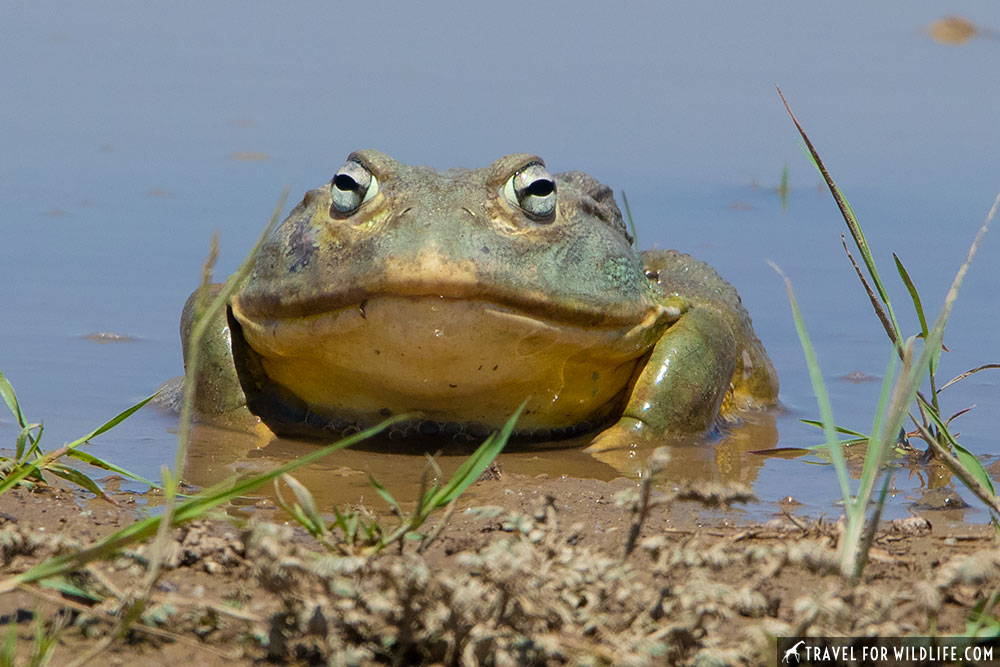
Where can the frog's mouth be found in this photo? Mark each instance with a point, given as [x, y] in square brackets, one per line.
[571, 312]
[430, 274]
[447, 358]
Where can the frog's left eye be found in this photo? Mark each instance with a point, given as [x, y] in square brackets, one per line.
[351, 187]
[533, 191]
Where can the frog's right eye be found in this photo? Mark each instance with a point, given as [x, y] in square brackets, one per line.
[533, 191]
[351, 187]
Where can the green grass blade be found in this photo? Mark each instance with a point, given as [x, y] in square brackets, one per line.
[90, 459]
[974, 467]
[473, 467]
[8, 652]
[17, 474]
[871, 526]
[839, 429]
[907, 390]
[353, 519]
[189, 509]
[65, 586]
[631, 222]
[969, 461]
[45, 643]
[866, 254]
[384, 493]
[425, 495]
[77, 477]
[783, 189]
[849, 442]
[373, 531]
[914, 295]
[205, 315]
[339, 520]
[849, 217]
[308, 513]
[10, 398]
[918, 306]
[822, 396]
[21, 452]
[876, 454]
[46, 460]
[111, 423]
[299, 516]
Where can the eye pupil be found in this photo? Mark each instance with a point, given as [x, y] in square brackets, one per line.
[345, 182]
[540, 188]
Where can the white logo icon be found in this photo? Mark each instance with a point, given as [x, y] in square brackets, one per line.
[793, 651]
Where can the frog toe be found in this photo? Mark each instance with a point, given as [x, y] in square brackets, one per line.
[627, 432]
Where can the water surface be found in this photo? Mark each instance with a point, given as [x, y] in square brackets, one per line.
[129, 133]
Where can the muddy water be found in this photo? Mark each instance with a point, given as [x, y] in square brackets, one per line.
[129, 133]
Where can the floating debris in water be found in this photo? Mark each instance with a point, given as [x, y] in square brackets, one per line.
[250, 156]
[858, 377]
[953, 30]
[104, 337]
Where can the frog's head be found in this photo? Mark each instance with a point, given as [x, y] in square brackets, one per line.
[399, 282]
[511, 234]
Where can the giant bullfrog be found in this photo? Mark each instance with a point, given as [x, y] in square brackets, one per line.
[454, 295]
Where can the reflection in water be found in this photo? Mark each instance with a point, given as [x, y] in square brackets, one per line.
[216, 454]
[725, 459]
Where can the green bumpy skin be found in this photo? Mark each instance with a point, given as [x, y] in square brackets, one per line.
[441, 297]
[706, 368]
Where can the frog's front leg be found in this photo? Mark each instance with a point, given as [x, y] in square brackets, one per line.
[682, 385]
[219, 396]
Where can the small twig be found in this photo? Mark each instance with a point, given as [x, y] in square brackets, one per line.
[655, 465]
[845, 209]
[639, 511]
[876, 304]
[798, 523]
[947, 422]
[745, 535]
[967, 374]
[99, 577]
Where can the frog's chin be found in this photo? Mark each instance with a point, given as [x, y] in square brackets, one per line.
[463, 360]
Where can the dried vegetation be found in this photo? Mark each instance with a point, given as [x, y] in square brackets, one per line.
[533, 585]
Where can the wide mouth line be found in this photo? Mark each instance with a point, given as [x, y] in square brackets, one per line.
[541, 308]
